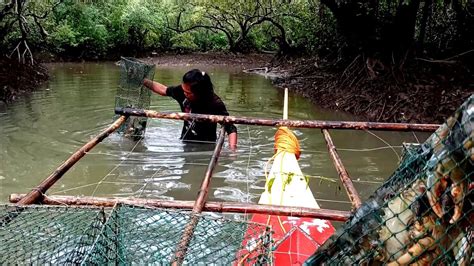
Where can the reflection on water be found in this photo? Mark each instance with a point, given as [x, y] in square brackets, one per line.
[40, 131]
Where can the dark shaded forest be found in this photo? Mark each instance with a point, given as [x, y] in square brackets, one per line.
[402, 61]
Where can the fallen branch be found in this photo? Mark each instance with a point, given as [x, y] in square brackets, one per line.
[461, 54]
[436, 61]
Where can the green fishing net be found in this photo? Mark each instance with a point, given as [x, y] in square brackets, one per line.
[131, 93]
[124, 235]
[423, 214]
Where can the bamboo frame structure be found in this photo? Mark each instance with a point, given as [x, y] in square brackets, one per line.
[183, 245]
[210, 206]
[200, 204]
[341, 170]
[279, 122]
[37, 192]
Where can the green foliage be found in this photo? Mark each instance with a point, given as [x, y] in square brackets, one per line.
[270, 184]
[64, 36]
[122, 27]
[80, 29]
[184, 42]
[262, 40]
[209, 41]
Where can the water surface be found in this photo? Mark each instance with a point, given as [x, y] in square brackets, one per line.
[38, 132]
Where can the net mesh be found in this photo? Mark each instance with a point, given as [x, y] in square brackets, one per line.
[47, 235]
[132, 93]
[423, 213]
[124, 234]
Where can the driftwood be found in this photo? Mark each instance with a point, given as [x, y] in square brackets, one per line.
[279, 122]
[221, 207]
[257, 69]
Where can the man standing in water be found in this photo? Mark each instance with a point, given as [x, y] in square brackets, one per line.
[196, 95]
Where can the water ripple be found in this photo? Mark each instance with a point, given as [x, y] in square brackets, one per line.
[41, 130]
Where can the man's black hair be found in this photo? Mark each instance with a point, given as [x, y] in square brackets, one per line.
[201, 84]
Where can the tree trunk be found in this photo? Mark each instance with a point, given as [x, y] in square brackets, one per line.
[239, 43]
[6, 9]
[356, 23]
[465, 22]
[232, 45]
[283, 46]
[427, 10]
[404, 28]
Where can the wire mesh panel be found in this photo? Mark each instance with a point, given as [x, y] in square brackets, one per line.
[150, 236]
[132, 93]
[126, 235]
[47, 235]
[423, 214]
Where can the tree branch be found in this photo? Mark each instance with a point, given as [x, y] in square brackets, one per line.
[190, 28]
[43, 32]
[6, 10]
[436, 61]
[461, 54]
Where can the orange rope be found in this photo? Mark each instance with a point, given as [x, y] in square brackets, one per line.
[285, 140]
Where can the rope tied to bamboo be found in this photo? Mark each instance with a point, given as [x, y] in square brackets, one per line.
[285, 140]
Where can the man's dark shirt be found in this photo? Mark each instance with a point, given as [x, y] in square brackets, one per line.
[201, 131]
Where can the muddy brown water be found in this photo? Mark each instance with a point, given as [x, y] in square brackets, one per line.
[38, 132]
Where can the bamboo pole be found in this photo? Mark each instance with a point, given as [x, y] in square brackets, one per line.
[285, 105]
[279, 122]
[221, 207]
[37, 192]
[343, 175]
[182, 247]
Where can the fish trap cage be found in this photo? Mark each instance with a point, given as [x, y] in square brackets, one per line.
[124, 234]
[131, 93]
[423, 214]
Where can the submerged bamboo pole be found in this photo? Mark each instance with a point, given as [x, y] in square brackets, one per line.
[183, 245]
[343, 175]
[280, 122]
[221, 207]
[37, 192]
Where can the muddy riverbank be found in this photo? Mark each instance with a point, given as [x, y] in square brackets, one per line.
[16, 78]
[421, 93]
[425, 92]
